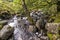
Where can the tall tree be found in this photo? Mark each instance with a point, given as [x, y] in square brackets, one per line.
[25, 7]
[27, 11]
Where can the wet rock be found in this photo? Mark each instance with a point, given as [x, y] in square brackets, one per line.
[32, 28]
[2, 23]
[0, 19]
[25, 31]
[5, 32]
[44, 38]
[37, 38]
[39, 35]
[36, 15]
[38, 18]
[54, 37]
[40, 24]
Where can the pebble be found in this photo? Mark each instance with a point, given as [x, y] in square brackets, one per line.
[37, 33]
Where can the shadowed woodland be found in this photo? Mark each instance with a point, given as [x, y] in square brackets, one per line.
[29, 20]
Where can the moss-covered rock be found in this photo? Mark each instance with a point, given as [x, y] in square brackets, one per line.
[5, 14]
[53, 36]
[52, 27]
[50, 35]
[0, 26]
[5, 32]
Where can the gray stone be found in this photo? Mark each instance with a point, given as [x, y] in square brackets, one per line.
[52, 27]
[5, 32]
[32, 28]
[44, 38]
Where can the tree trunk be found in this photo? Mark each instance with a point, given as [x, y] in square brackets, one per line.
[25, 7]
[27, 11]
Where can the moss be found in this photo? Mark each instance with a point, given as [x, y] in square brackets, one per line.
[49, 0]
[59, 28]
[0, 26]
[44, 3]
[57, 19]
[50, 35]
[9, 27]
[31, 20]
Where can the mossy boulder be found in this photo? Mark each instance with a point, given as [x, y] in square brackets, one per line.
[5, 32]
[5, 14]
[53, 36]
[52, 27]
[0, 26]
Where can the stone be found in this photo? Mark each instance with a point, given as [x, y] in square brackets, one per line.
[39, 35]
[19, 38]
[36, 33]
[11, 37]
[32, 28]
[36, 15]
[0, 19]
[44, 38]
[40, 24]
[54, 37]
[5, 32]
[52, 27]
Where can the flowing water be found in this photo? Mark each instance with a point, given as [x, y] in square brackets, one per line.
[20, 29]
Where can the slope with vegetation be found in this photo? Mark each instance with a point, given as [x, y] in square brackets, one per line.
[49, 7]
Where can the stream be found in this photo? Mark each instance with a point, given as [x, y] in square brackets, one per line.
[21, 27]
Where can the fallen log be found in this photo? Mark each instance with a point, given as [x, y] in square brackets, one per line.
[3, 21]
[5, 32]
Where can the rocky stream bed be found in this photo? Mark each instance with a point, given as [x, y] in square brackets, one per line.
[20, 28]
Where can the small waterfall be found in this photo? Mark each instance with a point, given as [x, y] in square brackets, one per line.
[17, 32]
[20, 28]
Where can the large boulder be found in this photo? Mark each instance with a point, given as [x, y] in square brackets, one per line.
[52, 27]
[36, 15]
[2, 23]
[5, 32]
[39, 18]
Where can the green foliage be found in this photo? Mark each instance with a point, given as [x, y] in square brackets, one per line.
[0, 26]
[15, 6]
[57, 18]
[50, 35]
[53, 9]
[49, 0]
[31, 4]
